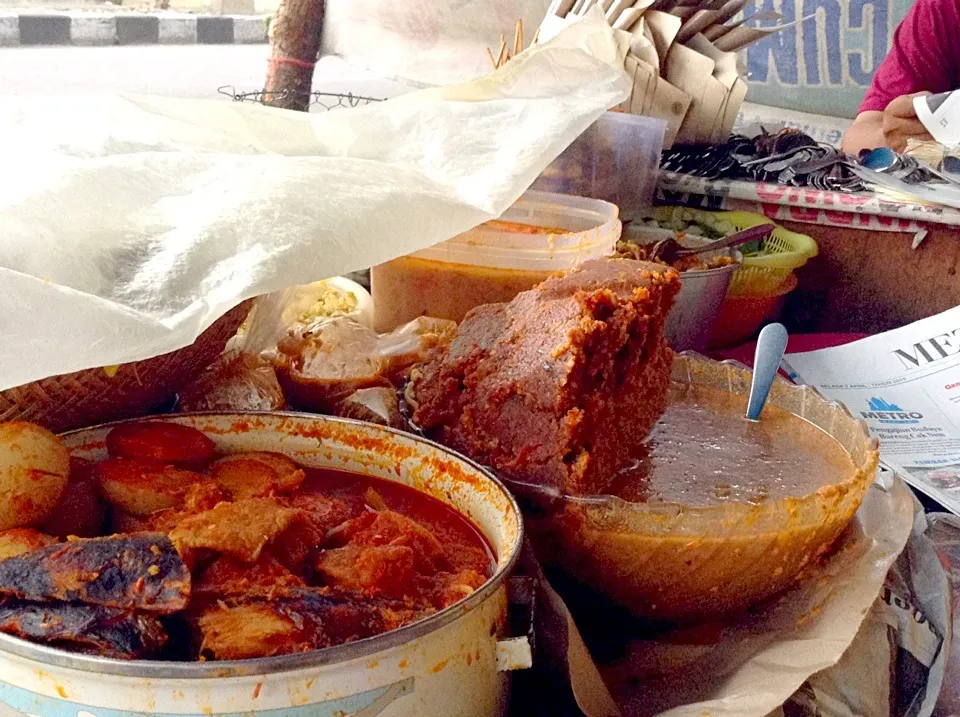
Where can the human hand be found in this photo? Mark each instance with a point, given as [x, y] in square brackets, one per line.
[900, 122]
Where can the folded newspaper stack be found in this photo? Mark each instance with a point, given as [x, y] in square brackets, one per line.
[682, 59]
[906, 385]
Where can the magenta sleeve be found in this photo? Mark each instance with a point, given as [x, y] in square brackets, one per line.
[924, 56]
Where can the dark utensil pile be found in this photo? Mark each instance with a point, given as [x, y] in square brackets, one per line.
[787, 157]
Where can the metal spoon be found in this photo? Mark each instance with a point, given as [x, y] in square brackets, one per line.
[669, 250]
[766, 362]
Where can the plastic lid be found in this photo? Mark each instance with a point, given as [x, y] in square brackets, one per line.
[591, 230]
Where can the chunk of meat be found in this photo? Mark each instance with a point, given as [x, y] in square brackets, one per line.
[387, 527]
[95, 629]
[228, 577]
[161, 442]
[129, 572]
[381, 553]
[81, 510]
[200, 497]
[241, 529]
[320, 514]
[18, 541]
[304, 620]
[141, 488]
[257, 475]
[390, 555]
[375, 569]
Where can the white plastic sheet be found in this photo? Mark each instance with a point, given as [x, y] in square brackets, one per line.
[129, 224]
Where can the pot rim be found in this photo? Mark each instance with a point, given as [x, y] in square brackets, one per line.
[155, 669]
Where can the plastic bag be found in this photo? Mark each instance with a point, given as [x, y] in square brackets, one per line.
[235, 382]
[324, 364]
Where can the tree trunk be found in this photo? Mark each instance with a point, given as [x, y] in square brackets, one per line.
[294, 49]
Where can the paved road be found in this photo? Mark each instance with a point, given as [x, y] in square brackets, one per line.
[189, 71]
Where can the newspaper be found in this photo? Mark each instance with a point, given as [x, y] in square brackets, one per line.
[906, 385]
[940, 114]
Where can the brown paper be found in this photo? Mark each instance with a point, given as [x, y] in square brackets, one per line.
[692, 73]
[718, 31]
[628, 19]
[616, 9]
[730, 9]
[659, 99]
[740, 37]
[663, 30]
[735, 100]
[684, 13]
[697, 24]
[641, 45]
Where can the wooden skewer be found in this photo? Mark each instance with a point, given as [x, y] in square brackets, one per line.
[520, 25]
[536, 37]
[516, 39]
[493, 61]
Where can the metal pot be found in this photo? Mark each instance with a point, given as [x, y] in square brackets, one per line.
[452, 663]
[702, 292]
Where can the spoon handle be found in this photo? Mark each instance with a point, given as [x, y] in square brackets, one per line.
[757, 233]
[766, 362]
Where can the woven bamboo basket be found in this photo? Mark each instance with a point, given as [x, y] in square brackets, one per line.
[92, 396]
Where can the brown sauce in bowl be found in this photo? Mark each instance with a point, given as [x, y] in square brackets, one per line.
[703, 452]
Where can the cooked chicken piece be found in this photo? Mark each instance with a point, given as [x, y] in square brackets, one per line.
[129, 572]
[382, 553]
[241, 529]
[228, 577]
[18, 541]
[387, 527]
[320, 514]
[161, 442]
[95, 629]
[257, 475]
[141, 488]
[304, 620]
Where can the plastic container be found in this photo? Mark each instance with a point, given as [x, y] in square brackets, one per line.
[742, 316]
[616, 159]
[494, 262]
[669, 561]
[766, 265]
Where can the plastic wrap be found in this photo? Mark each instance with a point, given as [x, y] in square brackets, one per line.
[130, 224]
[322, 366]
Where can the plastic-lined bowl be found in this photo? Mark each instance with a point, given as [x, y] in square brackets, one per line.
[490, 264]
[668, 561]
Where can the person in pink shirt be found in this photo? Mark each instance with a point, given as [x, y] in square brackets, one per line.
[924, 59]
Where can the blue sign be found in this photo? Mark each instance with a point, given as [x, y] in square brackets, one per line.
[824, 64]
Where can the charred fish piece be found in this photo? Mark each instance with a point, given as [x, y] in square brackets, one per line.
[140, 571]
[92, 629]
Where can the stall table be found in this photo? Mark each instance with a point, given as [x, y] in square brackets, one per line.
[883, 263]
